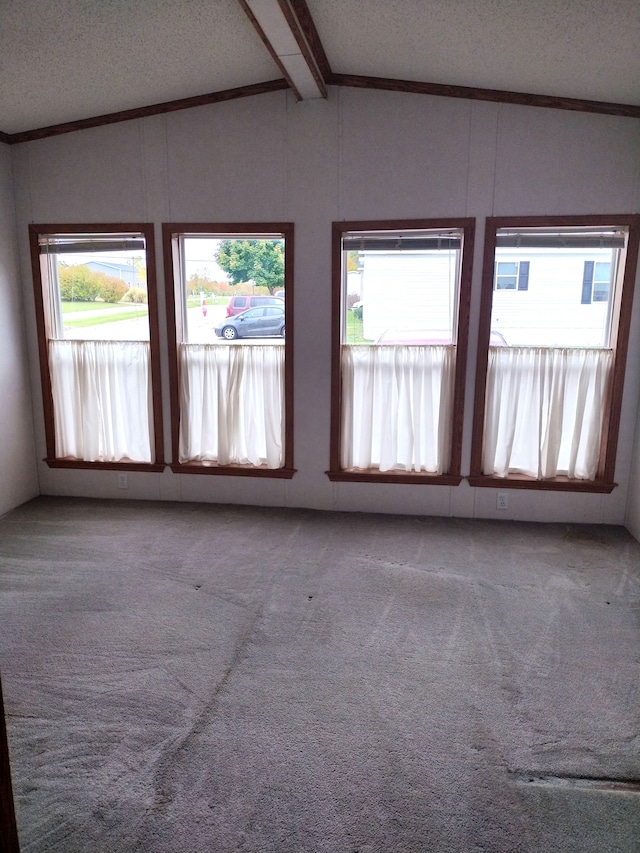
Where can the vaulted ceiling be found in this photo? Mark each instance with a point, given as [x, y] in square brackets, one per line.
[74, 60]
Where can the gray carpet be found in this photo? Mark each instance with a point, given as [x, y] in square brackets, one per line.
[183, 678]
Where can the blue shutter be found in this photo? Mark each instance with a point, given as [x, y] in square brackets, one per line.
[587, 283]
[523, 275]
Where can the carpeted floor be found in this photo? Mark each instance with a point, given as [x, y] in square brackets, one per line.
[184, 678]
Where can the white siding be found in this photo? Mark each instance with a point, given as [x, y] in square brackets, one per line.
[550, 312]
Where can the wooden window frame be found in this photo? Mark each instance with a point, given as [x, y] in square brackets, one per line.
[604, 481]
[453, 477]
[36, 231]
[171, 233]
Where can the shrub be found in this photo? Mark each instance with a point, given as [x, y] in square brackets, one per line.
[135, 294]
[78, 284]
[112, 289]
[357, 312]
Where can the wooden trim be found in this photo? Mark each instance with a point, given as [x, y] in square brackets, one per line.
[557, 484]
[330, 78]
[308, 27]
[227, 230]
[265, 41]
[604, 482]
[299, 35]
[8, 827]
[233, 470]
[152, 110]
[400, 478]
[148, 467]
[484, 332]
[614, 409]
[476, 94]
[154, 338]
[462, 342]
[174, 330]
[41, 283]
[335, 428]
[336, 472]
[289, 284]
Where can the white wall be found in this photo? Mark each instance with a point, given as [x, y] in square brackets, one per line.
[18, 478]
[358, 155]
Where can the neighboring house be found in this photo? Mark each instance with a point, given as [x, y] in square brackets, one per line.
[546, 296]
[541, 296]
[398, 292]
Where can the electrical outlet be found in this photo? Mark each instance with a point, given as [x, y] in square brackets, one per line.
[123, 480]
[502, 500]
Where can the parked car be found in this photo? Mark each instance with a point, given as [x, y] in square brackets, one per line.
[238, 304]
[264, 322]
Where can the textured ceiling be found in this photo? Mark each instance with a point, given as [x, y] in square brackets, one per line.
[567, 48]
[75, 59]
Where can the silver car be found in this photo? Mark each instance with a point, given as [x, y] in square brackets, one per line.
[267, 322]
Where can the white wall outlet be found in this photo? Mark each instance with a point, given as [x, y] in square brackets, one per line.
[502, 500]
[123, 480]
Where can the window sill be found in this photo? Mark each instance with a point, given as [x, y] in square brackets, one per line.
[106, 466]
[399, 477]
[557, 484]
[232, 470]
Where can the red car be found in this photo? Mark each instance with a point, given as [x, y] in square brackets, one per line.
[238, 304]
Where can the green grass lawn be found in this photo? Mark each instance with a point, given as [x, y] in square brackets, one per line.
[354, 330]
[195, 301]
[73, 307]
[111, 317]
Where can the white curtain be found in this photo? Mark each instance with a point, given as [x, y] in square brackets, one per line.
[544, 408]
[232, 404]
[397, 407]
[102, 400]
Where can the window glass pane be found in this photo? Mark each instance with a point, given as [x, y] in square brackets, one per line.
[601, 280]
[400, 288]
[226, 277]
[98, 287]
[553, 310]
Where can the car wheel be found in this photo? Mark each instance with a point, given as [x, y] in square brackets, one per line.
[229, 333]
[282, 332]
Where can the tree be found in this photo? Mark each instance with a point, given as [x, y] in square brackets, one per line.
[353, 261]
[259, 260]
[199, 281]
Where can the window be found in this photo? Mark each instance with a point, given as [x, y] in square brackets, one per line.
[400, 324]
[512, 275]
[596, 281]
[230, 349]
[549, 388]
[98, 335]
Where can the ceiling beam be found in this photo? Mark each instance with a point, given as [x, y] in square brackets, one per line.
[498, 96]
[287, 31]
